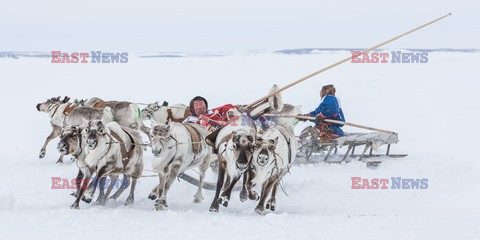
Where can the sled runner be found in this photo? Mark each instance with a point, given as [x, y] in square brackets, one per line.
[310, 144]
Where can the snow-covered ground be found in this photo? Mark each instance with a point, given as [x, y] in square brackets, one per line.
[434, 107]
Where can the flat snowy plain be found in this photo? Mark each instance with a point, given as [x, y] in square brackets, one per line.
[433, 106]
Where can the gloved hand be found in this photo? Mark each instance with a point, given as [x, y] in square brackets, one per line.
[318, 120]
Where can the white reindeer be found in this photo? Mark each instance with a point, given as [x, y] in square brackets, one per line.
[161, 114]
[63, 113]
[112, 150]
[273, 156]
[175, 153]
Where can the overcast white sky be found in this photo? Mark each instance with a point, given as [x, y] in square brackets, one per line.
[221, 25]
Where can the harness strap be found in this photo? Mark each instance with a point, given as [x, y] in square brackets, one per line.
[55, 110]
[126, 155]
[179, 120]
[284, 133]
[99, 104]
[79, 135]
[196, 138]
[224, 140]
[69, 109]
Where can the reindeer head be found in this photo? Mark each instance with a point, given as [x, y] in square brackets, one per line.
[148, 111]
[242, 144]
[49, 104]
[264, 151]
[161, 136]
[94, 133]
[70, 140]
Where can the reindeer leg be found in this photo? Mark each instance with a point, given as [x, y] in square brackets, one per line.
[124, 185]
[243, 192]
[248, 186]
[82, 189]
[78, 183]
[102, 184]
[60, 159]
[247, 190]
[160, 205]
[130, 197]
[89, 188]
[55, 133]
[203, 169]
[271, 203]
[154, 193]
[101, 201]
[220, 181]
[225, 197]
[172, 174]
[267, 187]
[93, 187]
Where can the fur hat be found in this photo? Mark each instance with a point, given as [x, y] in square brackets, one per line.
[327, 90]
[192, 109]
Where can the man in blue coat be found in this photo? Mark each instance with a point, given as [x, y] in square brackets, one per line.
[329, 108]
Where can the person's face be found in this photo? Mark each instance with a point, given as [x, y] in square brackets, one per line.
[199, 107]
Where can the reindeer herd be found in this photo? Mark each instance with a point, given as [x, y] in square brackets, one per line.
[105, 140]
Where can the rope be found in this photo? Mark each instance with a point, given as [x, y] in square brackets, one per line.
[282, 186]
[134, 144]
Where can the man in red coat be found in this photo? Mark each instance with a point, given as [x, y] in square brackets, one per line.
[212, 119]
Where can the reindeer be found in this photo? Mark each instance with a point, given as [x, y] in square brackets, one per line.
[63, 113]
[177, 148]
[127, 114]
[234, 143]
[112, 150]
[161, 114]
[272, 158]
[72, 143]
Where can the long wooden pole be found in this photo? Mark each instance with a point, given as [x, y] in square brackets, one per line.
[331, 121]
[344, 60]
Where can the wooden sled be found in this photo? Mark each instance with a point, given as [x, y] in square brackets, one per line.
[353, 141]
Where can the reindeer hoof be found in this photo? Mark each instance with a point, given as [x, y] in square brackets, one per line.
[223, 200]
[88, 197]
[253, 196]
[101, 202]
[129, 201]
[214, 208]
[152, 196]
[271, 205]
[260, 211]
[59, 161]
[74, 206]
[87, 200]
[197, 199]
[42, 153]
[160, 204]
[243, 196]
